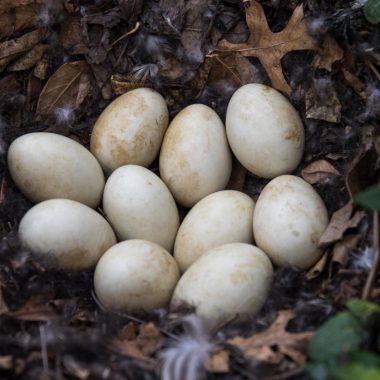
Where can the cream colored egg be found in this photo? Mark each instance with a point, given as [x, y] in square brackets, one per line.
[264, 131]
[195, 159]
[130, 129]
[232, 280]
[289, 219]
[220, 218]
[135, 276]
[66, 234]
[139, 206]
[47, 165]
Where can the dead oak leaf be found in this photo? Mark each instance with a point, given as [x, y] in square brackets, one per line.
[67, 87]
[273, 344]
[318, 171]
[328, 54]
[270, 47]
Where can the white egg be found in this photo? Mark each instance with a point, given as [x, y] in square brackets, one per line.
[220, 218]
[66, 234]
[47, 165]
[264, 131]
[139, 206]
[135, 276]
[230, 281]
[289, 219]
[130, 129]
[195, 159]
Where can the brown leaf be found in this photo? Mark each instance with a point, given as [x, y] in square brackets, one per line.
[67, 87]
[274, 343]
[361, 174]
[8, 85]
[149, 339]
[355, 83]
[6, 25]
[41, 69]
[318, 267]
[342, 249]
[122, 83]
[324, 106]
[6, 362]
[218, 361]
[29, 59]
[318, 171]
[330, 53]
[6, 5]
[37, 308]
[271, 47]
[340, 222]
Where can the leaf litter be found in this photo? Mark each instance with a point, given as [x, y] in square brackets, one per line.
[75, 56]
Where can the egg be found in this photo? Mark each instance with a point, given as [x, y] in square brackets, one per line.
[289, 219]
[47, 165]
[66, 234]
[195, 159]
[134, 276]
[130, 129]
[227, 282]
[139, 206]
[264, 131]
[220, 218]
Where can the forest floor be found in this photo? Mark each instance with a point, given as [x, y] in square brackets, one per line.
[63, 61]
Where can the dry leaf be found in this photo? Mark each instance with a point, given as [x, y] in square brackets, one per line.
[122, 83]
[317, 268]
[149, 339]
[6, 5]
[330, 53]
[340, 222]
[323, 106]
[318, 171]
[362, 173]
[355, 83]
[8, 85]
[29, 59]
[37, 308]
[218, 361]
[274, 343]
[342, 249]
[67, 87]
[270, 47]
[6, 25]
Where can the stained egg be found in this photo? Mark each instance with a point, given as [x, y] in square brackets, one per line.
[264, 131]
[220, 218]
[139, 206]
[47, 165]
[130, 130]
[289, 219]
[66, 234]
[229, 282]
[135, 276]
[195, 159]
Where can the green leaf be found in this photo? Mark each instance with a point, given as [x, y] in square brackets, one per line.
[369, 198]
[317, 371]
[339, 335]
[372, 11]
[362, 310]
[357, 371]
[367, 358]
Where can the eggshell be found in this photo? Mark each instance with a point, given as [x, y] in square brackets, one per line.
[140, 206]
[220, 218]
[66, 234]
[47, 165]
[195, 159]
[232, 280]
[134, 276]
[289, 219]
[264, 131]
[130, 129]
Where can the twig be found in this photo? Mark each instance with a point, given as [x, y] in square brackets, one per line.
[376, 259]
[373, 69]
[137, 26]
